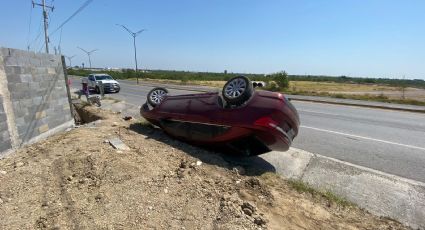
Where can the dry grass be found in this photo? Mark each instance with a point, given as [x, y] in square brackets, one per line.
[337, 87]
[370, 92]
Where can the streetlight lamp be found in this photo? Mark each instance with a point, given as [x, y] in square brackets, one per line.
[134, 35]
[88, 53]
[69, 60]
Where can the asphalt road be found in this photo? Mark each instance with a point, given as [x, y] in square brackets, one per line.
[385, 140]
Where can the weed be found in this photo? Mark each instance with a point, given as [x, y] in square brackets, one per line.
[305, 188]
[112, 99]
[145, 123]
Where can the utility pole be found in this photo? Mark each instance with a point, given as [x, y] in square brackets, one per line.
[69, 59]
[134, 35]
[88, 53]
[46, 17]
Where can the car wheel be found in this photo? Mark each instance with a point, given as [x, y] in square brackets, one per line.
[156, 95]
[97, 89]
[237, 90]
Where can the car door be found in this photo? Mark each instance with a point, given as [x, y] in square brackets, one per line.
[92, 81]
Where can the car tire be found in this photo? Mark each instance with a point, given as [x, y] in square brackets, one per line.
[156, 95]
[97, 89]
[237, 90]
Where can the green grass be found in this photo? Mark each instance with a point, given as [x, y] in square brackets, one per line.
[145, 123]
[185, 76]
[305, 188]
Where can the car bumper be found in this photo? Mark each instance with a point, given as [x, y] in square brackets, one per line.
[112, 89]
[275, 139]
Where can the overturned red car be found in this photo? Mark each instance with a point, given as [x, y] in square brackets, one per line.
[238, 120]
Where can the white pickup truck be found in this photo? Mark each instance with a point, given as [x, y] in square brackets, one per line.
[109, 84]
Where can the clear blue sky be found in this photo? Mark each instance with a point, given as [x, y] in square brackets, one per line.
[368, 38]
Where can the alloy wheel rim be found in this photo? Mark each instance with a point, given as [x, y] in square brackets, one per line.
[235, 88]
[157, 96]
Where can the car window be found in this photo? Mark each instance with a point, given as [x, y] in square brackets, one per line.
[103, 77]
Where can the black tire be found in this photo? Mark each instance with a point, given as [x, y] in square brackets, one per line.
[237, 90]
[97, 89]
[156, 95]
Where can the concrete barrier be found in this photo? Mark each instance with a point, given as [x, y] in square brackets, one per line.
[379, 193]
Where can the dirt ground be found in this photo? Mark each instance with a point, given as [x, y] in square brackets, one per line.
[77, 180]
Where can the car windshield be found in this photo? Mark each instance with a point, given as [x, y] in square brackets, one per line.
[103, 77]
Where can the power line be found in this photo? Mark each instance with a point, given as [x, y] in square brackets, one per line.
[85, 4]
[60, 41]
[38, 35]
[29, 29]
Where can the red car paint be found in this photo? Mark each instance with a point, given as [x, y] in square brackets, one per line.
[267, 121]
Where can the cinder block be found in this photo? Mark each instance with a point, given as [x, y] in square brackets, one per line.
[12, 77]
[40, 115]
[20, 121]
[20, 112]
[11, 69]
[3, 126]
[26, 102]
[26, 78]
[51, 70]
[37, 100]
[43, 128]
[5, 135]
[16, 105]
[5, 145]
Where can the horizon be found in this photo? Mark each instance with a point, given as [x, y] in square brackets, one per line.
[237, 73]
[380, 39]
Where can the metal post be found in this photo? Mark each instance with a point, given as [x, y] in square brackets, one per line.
[89, 61]
[68, 92]
[134, 35]
[102, 90]
[135, 58]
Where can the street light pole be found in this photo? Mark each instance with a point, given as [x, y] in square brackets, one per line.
[135, 58]
[88, 53]
[69, 59]
[134, 35]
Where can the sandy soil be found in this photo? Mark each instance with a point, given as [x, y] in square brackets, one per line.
[77, 180]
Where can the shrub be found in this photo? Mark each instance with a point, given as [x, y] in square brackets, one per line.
[281, 79]
[272, 86]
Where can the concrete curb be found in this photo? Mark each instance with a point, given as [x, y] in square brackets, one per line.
[379, 193]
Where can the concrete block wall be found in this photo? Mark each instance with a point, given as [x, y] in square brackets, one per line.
[33, 96]
[5, 142]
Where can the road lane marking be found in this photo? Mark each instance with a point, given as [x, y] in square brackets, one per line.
[311, 111]
[362, 137]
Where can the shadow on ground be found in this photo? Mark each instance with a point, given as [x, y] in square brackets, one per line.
[254, 166]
